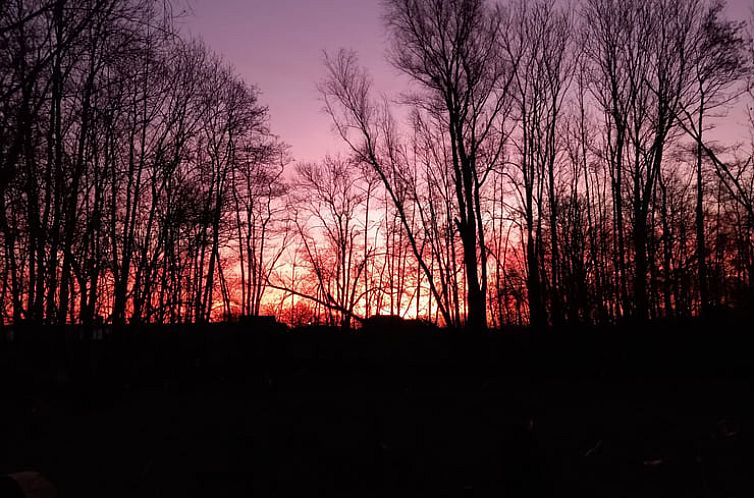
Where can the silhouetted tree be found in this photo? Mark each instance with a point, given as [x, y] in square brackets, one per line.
[450, 48]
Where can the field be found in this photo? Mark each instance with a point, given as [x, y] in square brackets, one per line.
[398, 409]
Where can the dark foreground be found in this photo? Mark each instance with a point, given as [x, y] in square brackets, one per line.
[397, 411]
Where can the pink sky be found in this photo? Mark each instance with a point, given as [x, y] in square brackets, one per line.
[278, 45]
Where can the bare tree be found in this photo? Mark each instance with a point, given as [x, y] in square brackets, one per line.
[540, 41]
[330, 205]
[450, 48]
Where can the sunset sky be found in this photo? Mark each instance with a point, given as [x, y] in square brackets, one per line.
[278, 45]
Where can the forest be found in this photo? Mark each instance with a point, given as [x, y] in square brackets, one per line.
[548, 164]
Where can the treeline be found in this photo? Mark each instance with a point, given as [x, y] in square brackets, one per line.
[123, 148]
[558, 165]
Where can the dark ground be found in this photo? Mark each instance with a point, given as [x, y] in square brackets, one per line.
[398, 411]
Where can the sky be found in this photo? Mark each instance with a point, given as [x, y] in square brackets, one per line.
[278, 45]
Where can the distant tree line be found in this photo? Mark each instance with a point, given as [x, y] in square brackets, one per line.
[558, 165]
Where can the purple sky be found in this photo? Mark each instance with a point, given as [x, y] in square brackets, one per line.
[278, 45]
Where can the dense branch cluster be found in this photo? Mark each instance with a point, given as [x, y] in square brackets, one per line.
[557, 166]
[123, 150]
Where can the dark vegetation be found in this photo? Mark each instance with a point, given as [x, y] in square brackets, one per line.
[396, 408]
